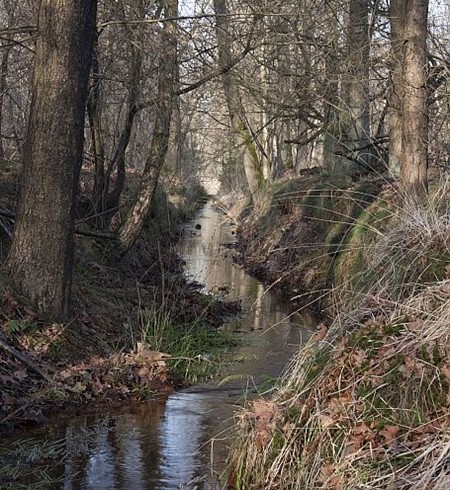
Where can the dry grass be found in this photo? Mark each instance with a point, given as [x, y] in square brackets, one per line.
[365, 405]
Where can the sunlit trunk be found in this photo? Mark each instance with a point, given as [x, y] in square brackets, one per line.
[135, 220]
[414, 158]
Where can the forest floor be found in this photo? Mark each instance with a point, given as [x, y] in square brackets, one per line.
[138, 328]
[365, 403]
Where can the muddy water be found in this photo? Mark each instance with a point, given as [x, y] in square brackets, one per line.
[180, 441]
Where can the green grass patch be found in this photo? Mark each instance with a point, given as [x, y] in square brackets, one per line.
[197, 350]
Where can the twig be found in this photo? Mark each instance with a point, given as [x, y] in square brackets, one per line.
[24, 360]
[7, 213]
[96, 234]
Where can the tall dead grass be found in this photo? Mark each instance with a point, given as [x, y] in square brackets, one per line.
[365, 404]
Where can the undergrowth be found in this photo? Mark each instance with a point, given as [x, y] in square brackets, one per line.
[195, 350]
[365, 405]
[29, 460]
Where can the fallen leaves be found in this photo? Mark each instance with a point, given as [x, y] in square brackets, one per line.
[264, 415]
[374, 398]
[118, 375]
[129, 375]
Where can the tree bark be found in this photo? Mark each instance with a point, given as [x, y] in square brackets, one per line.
[331, 105]
[132, 227]
[118, 160]
[357, 86]
[397, 14]
[41, 258]
[3, 88]
[414, 157]
[98, 146]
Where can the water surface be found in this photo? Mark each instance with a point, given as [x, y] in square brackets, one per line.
[180, 441]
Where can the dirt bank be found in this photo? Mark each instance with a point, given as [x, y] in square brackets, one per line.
[127, 337]
[296, 242]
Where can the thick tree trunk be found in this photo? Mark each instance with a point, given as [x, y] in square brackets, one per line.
[242, 135]
[41, 258]
[414, 158]
[132, 227]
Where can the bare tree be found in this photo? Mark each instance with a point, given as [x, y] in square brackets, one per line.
[136, 217]
[396, 15]
[41, 258]
[244, 140]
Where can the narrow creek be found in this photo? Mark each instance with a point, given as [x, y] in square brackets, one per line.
[179, 441]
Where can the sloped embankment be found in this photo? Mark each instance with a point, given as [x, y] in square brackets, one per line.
[138, 327]
[365, 404]
[298, 243]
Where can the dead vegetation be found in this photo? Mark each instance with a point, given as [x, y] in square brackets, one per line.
[365, 405]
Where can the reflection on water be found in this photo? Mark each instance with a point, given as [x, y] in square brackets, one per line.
[180, 441]
[209, 262]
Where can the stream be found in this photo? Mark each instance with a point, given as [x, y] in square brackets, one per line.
[180, 441]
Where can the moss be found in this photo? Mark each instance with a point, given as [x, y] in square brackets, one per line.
[352, 259]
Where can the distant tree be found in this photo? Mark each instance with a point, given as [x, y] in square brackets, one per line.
[356, 82]
[41, 257]
[105, 193]
[396, 17]
[243, 137]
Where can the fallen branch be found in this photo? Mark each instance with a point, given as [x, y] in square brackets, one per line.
[78, 231]
[96, 234]
[24, 360]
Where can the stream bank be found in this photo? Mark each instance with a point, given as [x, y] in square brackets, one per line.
[130, 320]
[304, 237]
[365, 403]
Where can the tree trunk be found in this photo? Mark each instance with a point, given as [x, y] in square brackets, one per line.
[118, 160]
[331, 104]
[397, 14]
[241, 132]
[41, 258]
[132, 227]
[3, 88]
[414, 158]
[357, 87]
[98, 146]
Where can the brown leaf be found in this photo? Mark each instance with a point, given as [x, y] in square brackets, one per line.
[445, 369]
[266, 414]
[358, 357]
[447, 271]
[389, 433]
[79, 387]
[321, 333]
[147, 355]
[325, 421]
